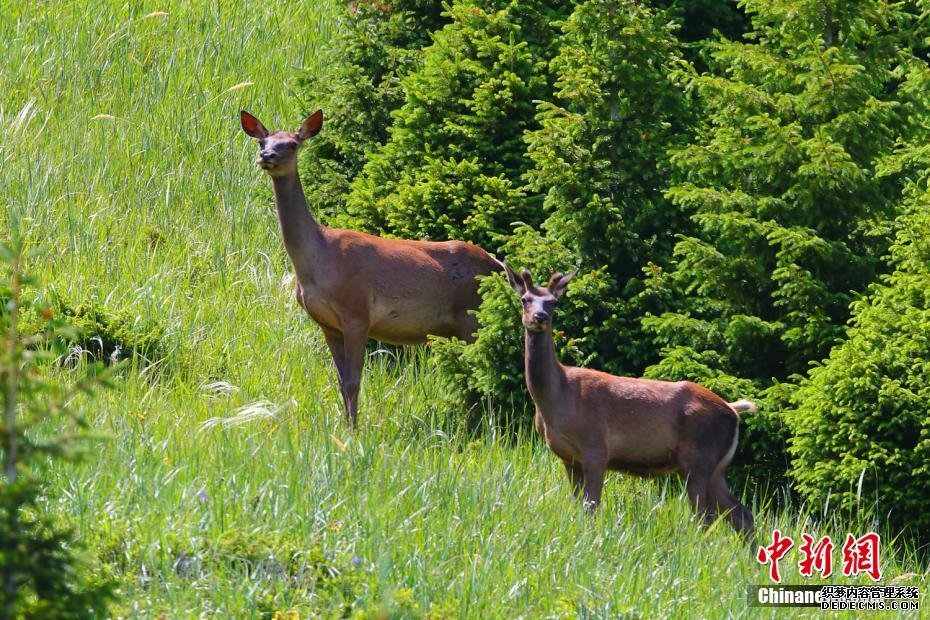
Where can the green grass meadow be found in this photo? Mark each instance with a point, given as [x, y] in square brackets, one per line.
[226, 483]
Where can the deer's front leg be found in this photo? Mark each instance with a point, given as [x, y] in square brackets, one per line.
[593, 466]
[575, 476]
[336, 344]
[354, 337]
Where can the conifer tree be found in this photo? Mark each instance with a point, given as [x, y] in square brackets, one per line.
[599, 160]
[358, 85]
[600, 154]
[862, 422]
[453, 163]
[791, 218]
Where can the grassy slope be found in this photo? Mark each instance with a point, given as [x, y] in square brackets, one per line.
[157, 210]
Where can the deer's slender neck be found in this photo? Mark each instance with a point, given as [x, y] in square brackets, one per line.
[302, 235]
[544, 373]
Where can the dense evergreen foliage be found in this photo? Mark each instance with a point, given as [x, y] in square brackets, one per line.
[862, 422]
[599, 161]
[781, 183]
[719, 174]
[453, 163]
[358, 86]
[792, 220]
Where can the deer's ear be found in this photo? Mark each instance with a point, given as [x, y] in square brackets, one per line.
[311, 126]
[252, 126]
[515, 282]
[558, 282]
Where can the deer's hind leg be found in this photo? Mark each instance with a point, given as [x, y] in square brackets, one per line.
[466, 326]
[738, 515]
[697, 471]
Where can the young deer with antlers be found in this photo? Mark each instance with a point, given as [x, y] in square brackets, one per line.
[358, 286]
[594, 421]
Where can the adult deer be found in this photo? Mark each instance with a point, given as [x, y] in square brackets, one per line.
[358, 286]
[595, 421]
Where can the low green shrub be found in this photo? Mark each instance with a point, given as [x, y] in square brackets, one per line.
[42, 571]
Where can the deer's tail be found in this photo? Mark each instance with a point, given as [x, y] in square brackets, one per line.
[743, 406]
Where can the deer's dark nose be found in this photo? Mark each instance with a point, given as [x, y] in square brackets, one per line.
[540, 317]
[265, 157]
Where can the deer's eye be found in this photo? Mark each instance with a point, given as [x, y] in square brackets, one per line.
[524, 301]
